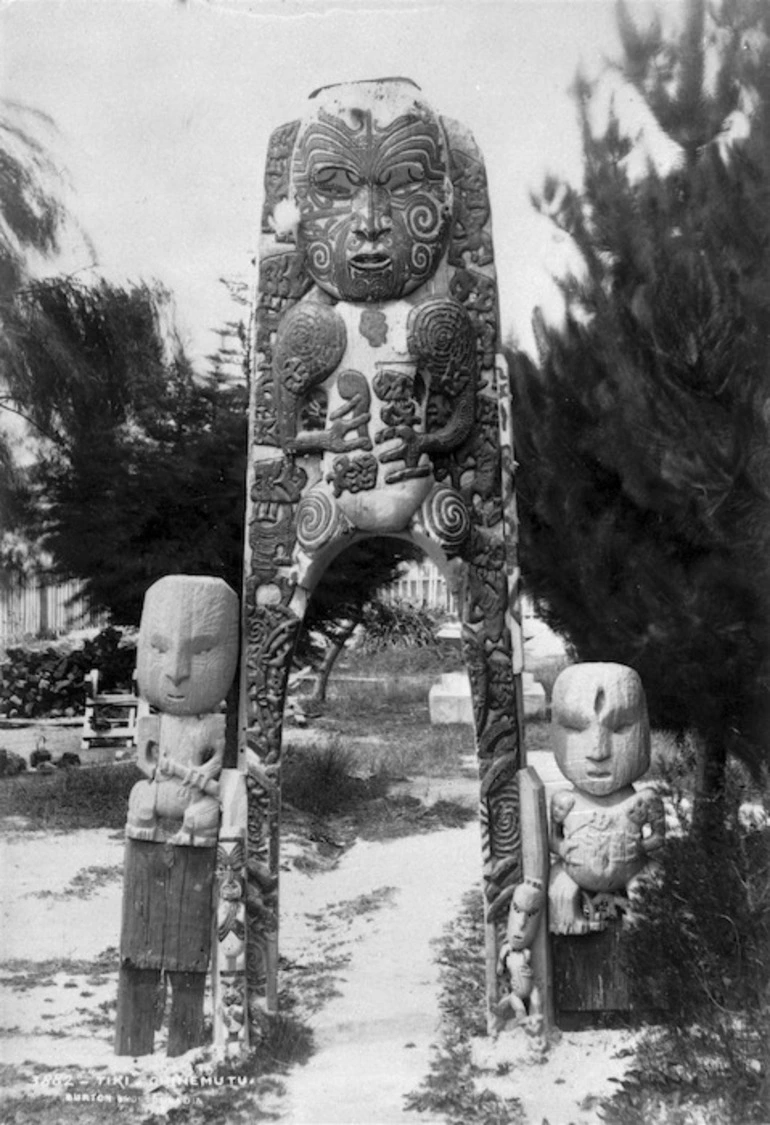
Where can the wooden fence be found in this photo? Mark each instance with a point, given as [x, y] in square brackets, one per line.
[45, 610]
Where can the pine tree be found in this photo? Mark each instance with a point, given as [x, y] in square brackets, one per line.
[644, 486]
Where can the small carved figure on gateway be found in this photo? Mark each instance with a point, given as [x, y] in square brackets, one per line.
[524, 918]
[604, 833]
[376, 367]
[186, 658]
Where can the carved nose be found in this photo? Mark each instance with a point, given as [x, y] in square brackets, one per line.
[602, 748]
[178, 669]
[372, 214]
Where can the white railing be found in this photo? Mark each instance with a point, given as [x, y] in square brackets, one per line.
[422, 584]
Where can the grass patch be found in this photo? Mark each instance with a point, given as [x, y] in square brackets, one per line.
[403, 661]
[89, 797]
[449, 1089]
[322, 781]
[352, 699]
[86, 883]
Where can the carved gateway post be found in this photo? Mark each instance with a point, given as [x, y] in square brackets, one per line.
[379, 407]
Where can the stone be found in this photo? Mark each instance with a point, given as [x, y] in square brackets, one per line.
[449, 700]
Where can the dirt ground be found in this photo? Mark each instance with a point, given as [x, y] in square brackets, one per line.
[356, 936]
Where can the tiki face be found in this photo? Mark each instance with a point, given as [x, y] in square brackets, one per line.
[188, 644]
[370, 179]
[600, 731]
[524, 915]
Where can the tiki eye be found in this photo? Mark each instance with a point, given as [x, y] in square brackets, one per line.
[202, 645]
[337, 183]
[572, 720]
[404, 178]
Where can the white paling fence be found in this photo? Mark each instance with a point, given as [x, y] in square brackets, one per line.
[44, 610]
[422, 584]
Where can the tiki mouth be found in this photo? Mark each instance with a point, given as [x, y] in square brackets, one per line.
[373, 262]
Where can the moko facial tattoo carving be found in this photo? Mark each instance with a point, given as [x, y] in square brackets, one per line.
[374, 199]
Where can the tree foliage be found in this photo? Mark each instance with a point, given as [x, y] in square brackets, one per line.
[142, 465]
[31, 214]
[644, 486]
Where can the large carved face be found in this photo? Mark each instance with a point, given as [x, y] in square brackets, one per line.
[370, 180]
[600, 731]
[188, 644]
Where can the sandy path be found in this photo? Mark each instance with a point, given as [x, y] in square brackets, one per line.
[373, 1040]
[362, 932]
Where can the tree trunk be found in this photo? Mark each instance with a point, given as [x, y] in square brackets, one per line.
[708, 819]
[318, 694]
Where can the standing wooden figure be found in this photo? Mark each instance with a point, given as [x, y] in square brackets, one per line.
[606, 835]
[186, 660]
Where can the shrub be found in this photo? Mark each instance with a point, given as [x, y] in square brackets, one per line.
[37, 682]
[321, 781]
[699, 953]
[11, 764]
[398, 624]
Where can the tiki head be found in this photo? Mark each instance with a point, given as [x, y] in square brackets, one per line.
[600, 731]
[188, 643]
[370, 177]
[524, 914]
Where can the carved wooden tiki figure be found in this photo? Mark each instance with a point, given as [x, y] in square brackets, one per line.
[379, 407]
[605, 834]
[186, 659]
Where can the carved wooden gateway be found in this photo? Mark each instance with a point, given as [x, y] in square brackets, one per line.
[380, 407]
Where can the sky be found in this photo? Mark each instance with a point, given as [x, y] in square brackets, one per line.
[163, 110]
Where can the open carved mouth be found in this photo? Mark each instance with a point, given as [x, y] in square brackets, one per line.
[374, 262]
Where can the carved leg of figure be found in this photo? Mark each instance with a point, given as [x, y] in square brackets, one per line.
[565, 905]
[185, 1021]
[138, 991]
[142, 813]
[199, 824]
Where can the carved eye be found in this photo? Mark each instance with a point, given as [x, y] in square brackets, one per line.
[201, 646]
[572, 720]
[403, 179]
[159, 645]
[337, 183]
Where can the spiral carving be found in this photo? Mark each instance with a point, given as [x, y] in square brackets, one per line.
[440, 336]
[504, 827]
[446, 517]
[309, 345]
[317, 520]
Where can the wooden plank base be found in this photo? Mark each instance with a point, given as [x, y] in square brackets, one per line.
[166, 929]
[137, 1006]
[587, 973]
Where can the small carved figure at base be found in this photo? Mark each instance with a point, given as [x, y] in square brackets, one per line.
[604, 833]
[524, 1002]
